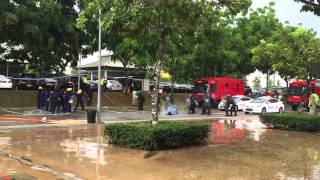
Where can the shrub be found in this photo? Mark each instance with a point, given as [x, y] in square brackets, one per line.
[164, 135]
[292, 121]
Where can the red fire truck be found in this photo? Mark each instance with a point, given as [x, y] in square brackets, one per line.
[300, 90]
[218, 87]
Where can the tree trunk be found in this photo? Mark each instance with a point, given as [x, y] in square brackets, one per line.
[126, 79]
[267, 87]
[173, 76]
[287, 82]
[173, 79]
[155, 94]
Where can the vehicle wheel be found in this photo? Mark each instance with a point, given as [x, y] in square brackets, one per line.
[281, 110]
[264, 111]
[246, 112]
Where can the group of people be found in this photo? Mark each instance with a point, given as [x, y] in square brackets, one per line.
[205, 107]
[61, 99]
[230, 106]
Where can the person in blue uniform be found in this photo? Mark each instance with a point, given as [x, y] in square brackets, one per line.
[79, 98]
[54, 100]
[39, 98]
[68, 100]
[46, 99]
[206, 105]
[140, 100]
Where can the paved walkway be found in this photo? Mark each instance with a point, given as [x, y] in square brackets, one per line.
[28, 118]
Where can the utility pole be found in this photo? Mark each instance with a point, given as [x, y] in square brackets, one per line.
[99, 74]
[7, 68]
[79, 69]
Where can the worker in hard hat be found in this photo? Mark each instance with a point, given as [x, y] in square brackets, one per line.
[79, 98]
[68, 100]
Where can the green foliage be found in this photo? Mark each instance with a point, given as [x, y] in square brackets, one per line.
[44, 31]
[256, 83]
[310, 5]
[164, 135]
[292, 121]
[251, 29]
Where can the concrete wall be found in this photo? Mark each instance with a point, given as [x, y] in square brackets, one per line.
[27, 99]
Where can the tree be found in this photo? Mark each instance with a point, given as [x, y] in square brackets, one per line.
[264, 56]
[45, 32]
[157, 20]
[256, 83]
[250, 29]
[310, 5]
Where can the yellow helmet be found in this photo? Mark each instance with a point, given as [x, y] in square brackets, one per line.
[69, 89]
[79, 91]
[40, 88]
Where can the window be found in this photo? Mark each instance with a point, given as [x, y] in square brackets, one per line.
[213, 87]
[245, 99]
[272, 101]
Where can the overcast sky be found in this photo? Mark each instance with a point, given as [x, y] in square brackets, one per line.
[288, 10]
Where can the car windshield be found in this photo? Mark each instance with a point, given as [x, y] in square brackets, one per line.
[296, 91]
[259, 100]
[200, 88]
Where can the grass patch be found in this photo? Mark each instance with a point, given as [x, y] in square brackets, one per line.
[292, 121]
[164, 135]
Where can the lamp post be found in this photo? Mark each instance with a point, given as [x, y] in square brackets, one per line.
[79, 69]
[99, 74]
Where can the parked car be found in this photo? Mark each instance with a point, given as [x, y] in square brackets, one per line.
[49, 82]
[240, 101]
[264, 105]
[165, 86]
[114, 85]
[25, 81]
[5, 82]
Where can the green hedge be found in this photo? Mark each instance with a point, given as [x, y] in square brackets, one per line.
[164, 135]
[292, 121]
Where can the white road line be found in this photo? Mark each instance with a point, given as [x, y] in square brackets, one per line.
[43, 114]
[109, 117]
[13, 112]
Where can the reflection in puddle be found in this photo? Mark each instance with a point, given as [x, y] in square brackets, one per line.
[85, 147]
[232, 131]
[246, 150]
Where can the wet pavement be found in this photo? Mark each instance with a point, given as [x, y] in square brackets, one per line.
[237, 149]
[30, 118]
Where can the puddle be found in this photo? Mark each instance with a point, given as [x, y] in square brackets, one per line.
[236, 150]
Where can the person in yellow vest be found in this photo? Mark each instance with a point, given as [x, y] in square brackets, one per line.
[85, 79]
[102, 84]
[84, 83]
[313, 103]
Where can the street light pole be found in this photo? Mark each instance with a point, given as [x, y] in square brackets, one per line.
[99, 74]
[7, 68]
[79, 69]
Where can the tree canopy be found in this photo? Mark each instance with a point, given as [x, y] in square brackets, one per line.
[42, 33]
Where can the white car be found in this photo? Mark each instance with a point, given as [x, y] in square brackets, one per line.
[5, 83]
[240, 101]
[264, 105]
[114, 85]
